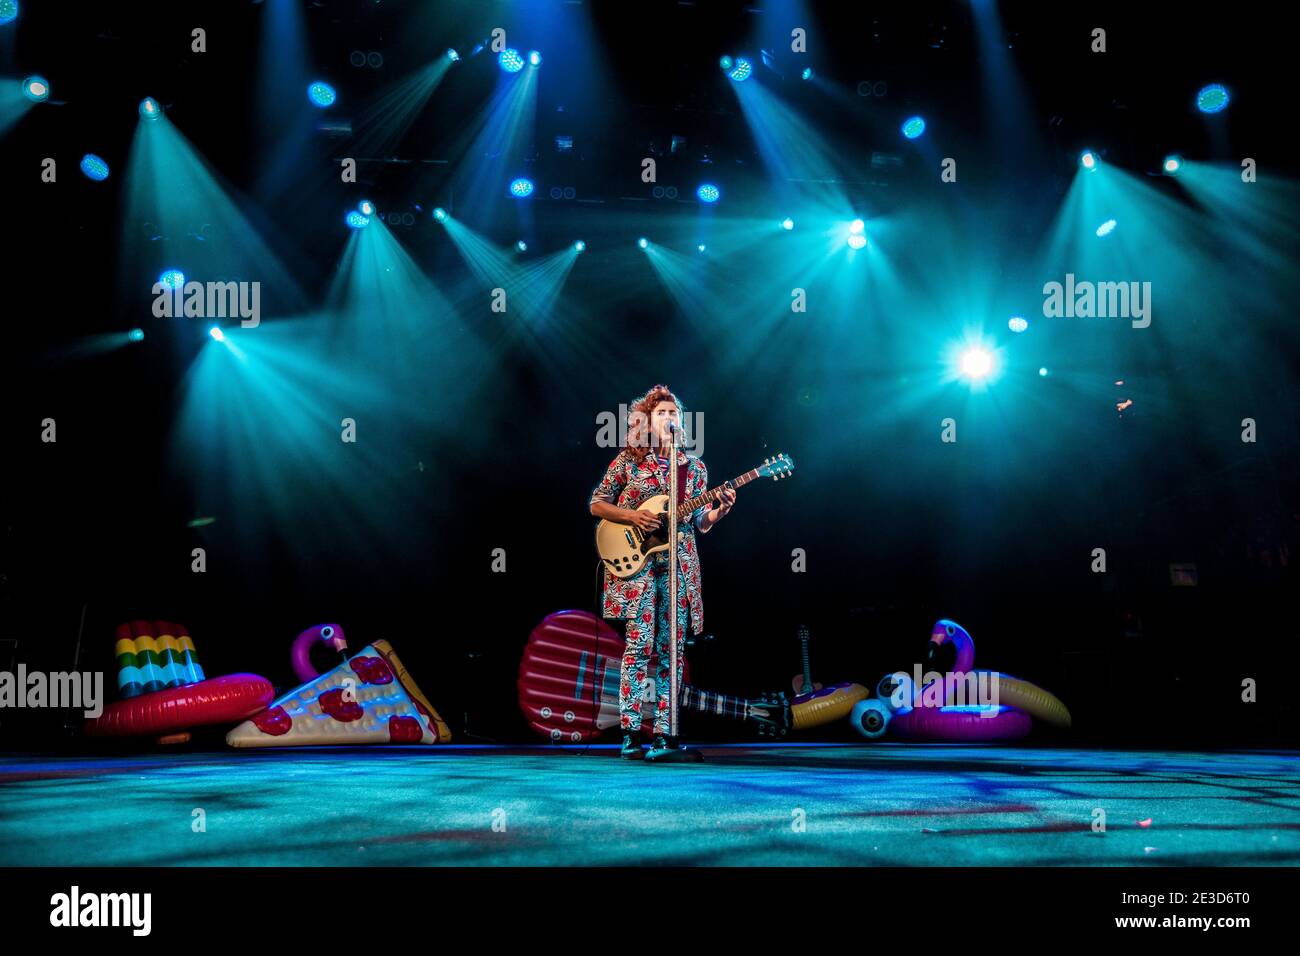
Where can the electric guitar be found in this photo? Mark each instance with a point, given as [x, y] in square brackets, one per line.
[625, 548]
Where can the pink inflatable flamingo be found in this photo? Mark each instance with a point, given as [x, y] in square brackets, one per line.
[330, 634]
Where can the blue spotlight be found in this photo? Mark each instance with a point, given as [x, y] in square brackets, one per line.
[357, 221]
[519, 188]
[740, 70]
[453, 55]
[1043, 372]
[857, 227]
[1017, 324]
[135, 335]
[94, 167]
[787, 224]
[366, 207]
[643, 243]
[36, 89]
[708, 193]
[726, 63]
[534, 58]
[1212, 98]
[149, 108]
[1088, 160]
[857, 241]
[8, 11]
[579, 246]
[217, 334]
[172, 279]
[510, 61]
[913, 127]
[976, 363]
[440, 215]
[1172, 164]
[807, 73]
[321, 94]
[701, 247]
[1106, 228]
[521, 246]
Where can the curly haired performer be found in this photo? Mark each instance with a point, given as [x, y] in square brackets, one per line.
[635, 474]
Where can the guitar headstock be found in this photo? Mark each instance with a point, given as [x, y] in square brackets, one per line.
[776, 468]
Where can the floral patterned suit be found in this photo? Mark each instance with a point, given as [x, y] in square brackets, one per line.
[642, 599]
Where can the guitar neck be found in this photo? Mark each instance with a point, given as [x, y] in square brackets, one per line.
[690, 504]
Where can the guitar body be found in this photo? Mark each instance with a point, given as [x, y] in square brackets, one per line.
[625, 548]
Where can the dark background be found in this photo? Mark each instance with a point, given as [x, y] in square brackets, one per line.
[999, 538]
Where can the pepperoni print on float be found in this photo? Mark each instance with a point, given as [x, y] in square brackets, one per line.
[370, 699]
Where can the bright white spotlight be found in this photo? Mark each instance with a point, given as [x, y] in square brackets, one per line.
[857, 227]
[643, 242]
[857, 241]
[1017, 324]
[1088, 160]
[579, 246]
[440, 214]
[534, 58]
[787, 224]
[976, 363]
[521, 246]
[217, 334]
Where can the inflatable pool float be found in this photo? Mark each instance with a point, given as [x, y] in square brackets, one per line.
[164, 690]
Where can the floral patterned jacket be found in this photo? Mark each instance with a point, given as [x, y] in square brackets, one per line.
[626, 484]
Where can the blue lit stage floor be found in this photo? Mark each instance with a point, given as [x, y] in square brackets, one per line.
[880, 804]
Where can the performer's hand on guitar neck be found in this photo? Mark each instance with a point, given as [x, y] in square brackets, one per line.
[726, 499]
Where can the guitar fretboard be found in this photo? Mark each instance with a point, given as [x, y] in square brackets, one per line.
[690, 504]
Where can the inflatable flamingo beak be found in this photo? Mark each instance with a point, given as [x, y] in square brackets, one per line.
[332, 635]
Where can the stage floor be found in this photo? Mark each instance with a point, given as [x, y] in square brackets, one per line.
[880, 804]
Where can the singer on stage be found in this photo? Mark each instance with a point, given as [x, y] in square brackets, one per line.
[638, 472]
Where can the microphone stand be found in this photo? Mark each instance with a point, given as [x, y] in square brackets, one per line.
[672, 584]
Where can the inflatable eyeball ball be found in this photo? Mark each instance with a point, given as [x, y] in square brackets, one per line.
[895, 691]
[870, 718]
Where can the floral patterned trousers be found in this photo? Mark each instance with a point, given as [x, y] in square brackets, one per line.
[648, 630]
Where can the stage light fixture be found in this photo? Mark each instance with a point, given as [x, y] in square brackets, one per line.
[726, 63]
[510, 61]
[1172, 164]
[857, 241]
[741, 70]
[857, 227]
[519, 188]
[1017, 324]
[534, 58]
[1043, 372]
[357, 221]
[94, 167]
[1088, 160]
[913, 127]
[36, 89]
[1106, 228]
[440, 215]
[976, 363]
[321, 94]
[453, 55]
[8, 11]
[1212, 98]
[708, 193]
[135, 335]
[643, 243]
[366, 207]
[701, 247]
[217, 334]
[521, 246]
[172, 279]
[807, 74]
[579, 246]
[149, 108]
[787, 224]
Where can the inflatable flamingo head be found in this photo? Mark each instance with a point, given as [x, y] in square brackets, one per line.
[300, 654]
[332, 635]
[950, 632]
